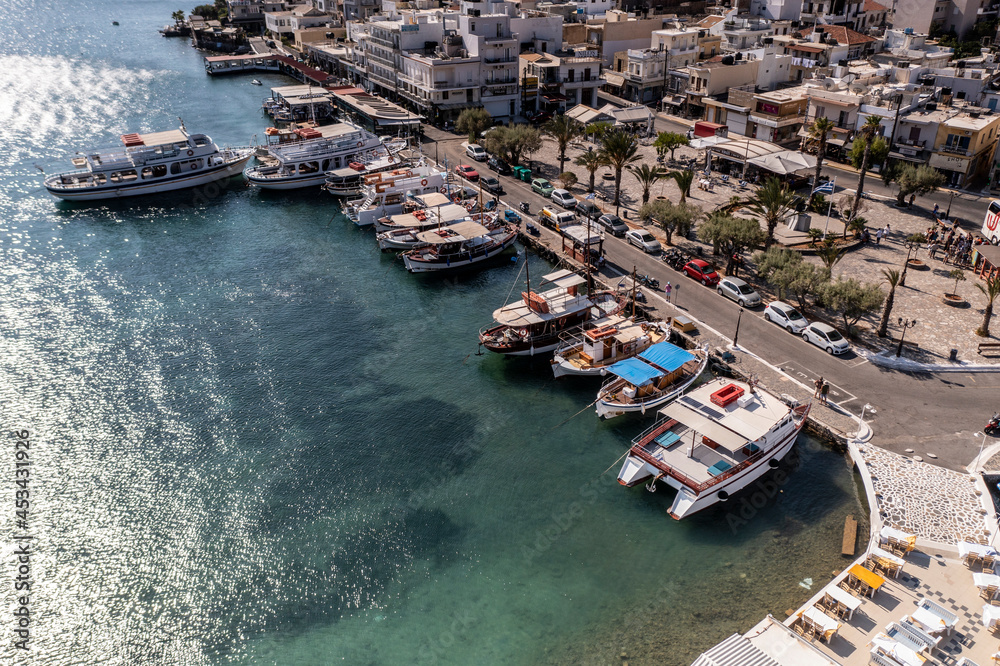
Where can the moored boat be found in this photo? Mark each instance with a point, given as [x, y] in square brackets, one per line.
[147, 164]
[533, 325]
[402, 231]
[348, 181]
[458, 245]
[387, 196]
[650, 379]
[591, 352]
[304, 163]
[713, 442]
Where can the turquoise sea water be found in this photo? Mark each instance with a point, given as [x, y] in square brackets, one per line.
[259, 440]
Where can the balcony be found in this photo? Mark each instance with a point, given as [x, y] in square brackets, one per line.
[500, 40]
[500, 61]
[499, 89]
[954, 150]
[447, 85]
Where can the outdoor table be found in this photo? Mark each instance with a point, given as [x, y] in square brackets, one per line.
[843, 597]
[898, 562]
[984, 580]
[933, 621]
[826, 624]
[868, 577]
[888, 534]
[977, 549]
[899, 652]
[991, 615]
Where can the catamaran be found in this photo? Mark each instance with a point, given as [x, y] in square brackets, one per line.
[589, 353]
[713, 442]
[650, 379]
[304, 163]
[534, 323]
[148, 163]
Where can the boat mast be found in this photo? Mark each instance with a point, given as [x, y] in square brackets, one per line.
[633, 291]
[586, 260]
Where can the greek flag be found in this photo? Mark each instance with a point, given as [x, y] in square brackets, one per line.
[825, 188]
[589, 196]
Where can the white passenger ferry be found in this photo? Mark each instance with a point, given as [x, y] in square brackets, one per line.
[148, 163]
[304, 163]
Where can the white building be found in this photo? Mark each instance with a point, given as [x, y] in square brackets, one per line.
[299, 17]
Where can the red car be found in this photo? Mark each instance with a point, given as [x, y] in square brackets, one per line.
[467, 172]
[700, 270]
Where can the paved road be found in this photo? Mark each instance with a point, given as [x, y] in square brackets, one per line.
[936, 413]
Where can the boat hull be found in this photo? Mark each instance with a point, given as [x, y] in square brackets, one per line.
[228, 170]
[608, 409]
[561, 367]
[288, 183]
[417, 266]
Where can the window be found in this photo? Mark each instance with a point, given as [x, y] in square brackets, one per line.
[444, 95]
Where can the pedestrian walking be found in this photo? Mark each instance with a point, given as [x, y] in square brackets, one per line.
[819, 385]
[936, 209]
[885, 232]
[878, 237]
[666, 291]
[823, 392]
[932, 249]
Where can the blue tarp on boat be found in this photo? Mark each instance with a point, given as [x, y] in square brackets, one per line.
[635, 371]
[667, 356]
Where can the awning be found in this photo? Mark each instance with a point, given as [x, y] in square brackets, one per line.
[784, 162]
[582, 234]
[705, 426]
[667, 356]
[709, 141]
[634, 371]
[705, 128]
[740, 149]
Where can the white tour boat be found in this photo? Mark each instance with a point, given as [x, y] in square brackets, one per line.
[589, 353]
[387, 193]
[304, 163]
[534, 323]
[148, 163]
[650, 379]
[348, 181]
[713, 442]
[402, 231]
[458, 246]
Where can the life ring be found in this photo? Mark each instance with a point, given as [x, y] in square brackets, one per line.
[391, 159]
[360, 143]
[523, 332]
[562, 321]
[190, 153]
[423, 182]
[194, 167]
[457, 198]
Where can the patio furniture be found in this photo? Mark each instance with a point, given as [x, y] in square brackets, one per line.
[897, 539]
[934, 618]
[897, 653]
[869, 580]
[843, 600]
[825, 626]
[892, 564]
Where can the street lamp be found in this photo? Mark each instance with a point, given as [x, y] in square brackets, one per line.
[904, 324]
[909, 249]
[861, 421]
[736, 336]
[947, 213]
[977, 435]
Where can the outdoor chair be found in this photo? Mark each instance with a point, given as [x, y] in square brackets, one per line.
[970, 559]
[743, 183]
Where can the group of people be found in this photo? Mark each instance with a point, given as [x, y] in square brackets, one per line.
[956, 244]
[822, 390]
[866, 235]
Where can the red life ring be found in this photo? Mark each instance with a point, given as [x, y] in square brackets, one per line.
[391, 159]
[424, 182]
[190, 153]
[523, 332]
[457, 198]
[360, 143]
[562, 322]
[194, 166]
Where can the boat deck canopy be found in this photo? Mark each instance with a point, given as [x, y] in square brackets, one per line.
[163, 138]
[433, 199]
[704, 425]
[345, 172]
[453, 233]
[635, 372]
[552, 277]
[667, 356]
[563, 279]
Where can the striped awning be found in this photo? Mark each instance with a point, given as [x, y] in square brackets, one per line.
[734, 651]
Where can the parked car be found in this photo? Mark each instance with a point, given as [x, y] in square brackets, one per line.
[586, 209]
[476, 152]
[643, 240]
[739, 291]
[542, 186]
[564, 198]
[467, 172]
[825, 337]
[551, 217]
[614, 224]
[785, 316]
[492, 185]
[701, 270]
[498, 165]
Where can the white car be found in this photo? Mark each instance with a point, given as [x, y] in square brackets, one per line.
[825, 337]
[739, 291]
[785, 316]
[563, 198]
[643, 240]
[476, 152]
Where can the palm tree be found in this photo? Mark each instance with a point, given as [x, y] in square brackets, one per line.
[830, 256]
[771, 202]
[647, 177]
[817, 133]
[990, 291]
[868, 130]
[563, 129]
[683, 180]
[892, 278]
[619, 150]
[591, 160]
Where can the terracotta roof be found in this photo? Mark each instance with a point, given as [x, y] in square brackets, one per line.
[842, 35]
[808, 48]
[872, 6]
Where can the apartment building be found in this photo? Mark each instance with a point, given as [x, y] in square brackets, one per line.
[561, 80]
[964, 145]
[488, 37]
[299, 17]
[778, 116]
[833, 12]
[249, 14]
